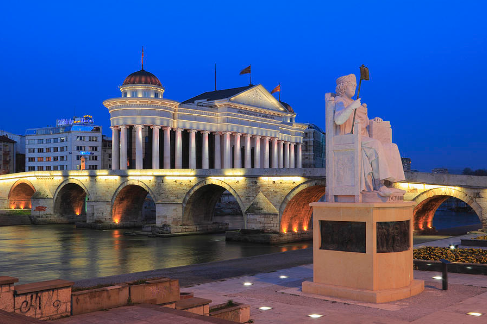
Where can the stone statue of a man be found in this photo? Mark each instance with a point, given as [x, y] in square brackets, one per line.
[379, 161]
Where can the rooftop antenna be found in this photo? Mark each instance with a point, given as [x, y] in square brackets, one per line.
[142, 57]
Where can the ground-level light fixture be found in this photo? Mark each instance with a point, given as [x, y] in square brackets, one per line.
[453, 246]
[264, 308]
[315, 315]
[474, 314]
[247, 284]
[282, 277]
[437, 277]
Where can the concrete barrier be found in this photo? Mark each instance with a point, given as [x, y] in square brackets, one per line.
[92, 300]
[44, 300]
[7, 293]
[238, 313]
[160, 291]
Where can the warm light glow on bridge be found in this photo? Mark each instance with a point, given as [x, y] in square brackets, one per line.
[141, 178]
[180, 178]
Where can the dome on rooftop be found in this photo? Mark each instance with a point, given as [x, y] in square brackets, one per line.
[142, 77]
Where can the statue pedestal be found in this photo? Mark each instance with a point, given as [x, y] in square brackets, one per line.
[363, 251]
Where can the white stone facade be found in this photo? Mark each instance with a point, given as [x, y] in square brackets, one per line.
[233, 128]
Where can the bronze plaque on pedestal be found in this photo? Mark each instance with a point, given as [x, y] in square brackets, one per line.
[343, 236]
[393, 236]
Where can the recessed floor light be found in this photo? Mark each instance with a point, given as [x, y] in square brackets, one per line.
[315, 315]
[247, 284]
[264, 308]
[474, 314]
[438, 277]
[283, 277]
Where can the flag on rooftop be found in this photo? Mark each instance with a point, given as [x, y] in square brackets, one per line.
[246, 70]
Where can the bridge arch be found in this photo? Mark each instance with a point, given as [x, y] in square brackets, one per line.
[70, 200]
[128, 202]
[428, 202]
[199, 202]
[20, 195]
[295, 212]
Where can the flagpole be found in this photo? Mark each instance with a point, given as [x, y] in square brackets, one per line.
[215, 76]
[250, 74]
[279, 91]
[142, 60]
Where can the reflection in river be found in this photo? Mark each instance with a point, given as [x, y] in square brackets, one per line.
[36, 253]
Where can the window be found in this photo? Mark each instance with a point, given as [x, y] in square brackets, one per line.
[80, 148]
[93, 139]
[55, 149]
[146, 94]
[31, 142]
[32, 150]
[55, 140]
[32, 159]
[48, 150]
[61, 149]
[40, 150]
[40, 168]
[40, 159]
[48, 141]
[62, 139]
[40, 141]
[80, 138]
[48, 168]
[109, 155]
[92, 167]
[61, 167]
[55, 158]
[124, 94]
[32, 168]
[48, 159]
[61, 158]
[55, 168]
[78, 157]
[156, 95]
[93, 158]
[94, 148]
[134, 93]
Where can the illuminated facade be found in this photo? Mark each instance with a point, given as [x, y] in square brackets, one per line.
[63, 147]
[243, 127]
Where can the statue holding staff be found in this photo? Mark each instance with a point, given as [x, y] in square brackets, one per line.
[380, 161]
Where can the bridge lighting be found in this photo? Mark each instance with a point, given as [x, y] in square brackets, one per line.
[116, 221]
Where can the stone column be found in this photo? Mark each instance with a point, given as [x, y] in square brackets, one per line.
[115, 148]
[275, 158]
[205, 157]
[227, 161]
[155, 146]
[123, 147]
[179, 149]
[265, 142]
[286, 154]
[300, 156]
[167, 147]
[218, 152]
[291, 156]
[248, 152]
[257, 152]
[281, 154]
[236, 152]
[192, 148]
[138, 147]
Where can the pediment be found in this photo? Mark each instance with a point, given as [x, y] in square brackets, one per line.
[259, 97]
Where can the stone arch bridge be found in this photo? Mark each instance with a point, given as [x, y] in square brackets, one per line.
[272, 199]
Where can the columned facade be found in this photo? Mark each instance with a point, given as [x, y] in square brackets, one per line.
[236, 128]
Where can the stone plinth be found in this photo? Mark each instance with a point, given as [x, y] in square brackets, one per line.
[363, 251]
[7, 293]
[44, 300]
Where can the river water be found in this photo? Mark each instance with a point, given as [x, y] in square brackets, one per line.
[36, 253]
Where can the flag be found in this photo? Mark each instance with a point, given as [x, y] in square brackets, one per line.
[246, 70]
[276, 89]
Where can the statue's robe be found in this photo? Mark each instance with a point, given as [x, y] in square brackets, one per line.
[379, 161]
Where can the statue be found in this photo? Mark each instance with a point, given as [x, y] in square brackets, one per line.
[380, 159]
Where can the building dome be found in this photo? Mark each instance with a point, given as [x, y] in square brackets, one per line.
[142, 77]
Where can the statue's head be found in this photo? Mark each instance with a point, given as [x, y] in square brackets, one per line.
[346, 86]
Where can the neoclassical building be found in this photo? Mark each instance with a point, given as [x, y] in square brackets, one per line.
[242, 127]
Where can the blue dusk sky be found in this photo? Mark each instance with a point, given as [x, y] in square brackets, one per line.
[427, 61]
